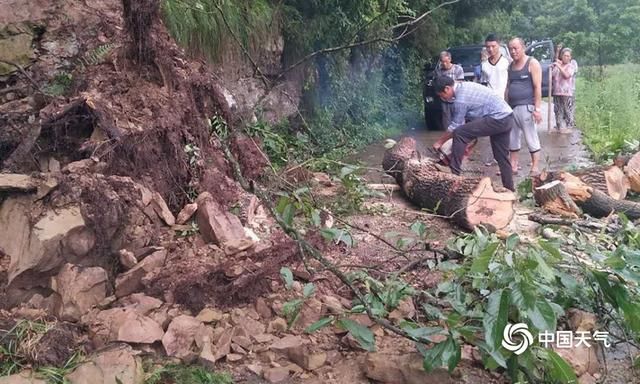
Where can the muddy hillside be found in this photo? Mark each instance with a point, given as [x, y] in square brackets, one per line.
[108, 155]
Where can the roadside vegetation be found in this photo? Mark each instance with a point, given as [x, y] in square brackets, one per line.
[487, 283]
[608, 109]
[184, 374]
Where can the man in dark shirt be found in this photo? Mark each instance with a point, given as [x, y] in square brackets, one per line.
[524, 95]
[487, 115]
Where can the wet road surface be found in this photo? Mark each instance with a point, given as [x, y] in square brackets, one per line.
[559, 151]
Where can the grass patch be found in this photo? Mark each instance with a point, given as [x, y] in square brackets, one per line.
[201, 27]
[18, 346]
[185, 374]
[608, 109]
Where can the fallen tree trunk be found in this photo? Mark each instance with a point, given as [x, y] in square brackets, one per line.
[394, 158]
[468, 201]
[591, 200]
[608, 179]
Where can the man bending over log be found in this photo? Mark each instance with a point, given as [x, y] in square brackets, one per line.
[487, 115]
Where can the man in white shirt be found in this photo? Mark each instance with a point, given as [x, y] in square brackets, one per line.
[494, 70]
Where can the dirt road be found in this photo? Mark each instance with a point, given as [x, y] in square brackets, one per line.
[558, 151]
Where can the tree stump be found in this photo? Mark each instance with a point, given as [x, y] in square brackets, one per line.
[553, 197]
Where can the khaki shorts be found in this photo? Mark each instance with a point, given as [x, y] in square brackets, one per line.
[523, 115]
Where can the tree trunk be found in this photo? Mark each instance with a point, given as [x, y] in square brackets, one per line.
[394, 158]
[633, 172]
[591, 200]
[553, 197]
[468, 201]
[608, 179]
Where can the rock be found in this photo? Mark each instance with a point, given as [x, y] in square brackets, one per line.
[581, 358]
[255, 368]
[180, 337]
[276, 375]
[36, 250]
[131, 281]
[263, 309]
[127, 259]
[122, 324]
[333, 357]
[207, 358]
[216, 225]
[405, 310]
[145, 195]
[332, 304]
[470, 353]
[402, 369]
[262, 338]
[186, 213]
[587, 379]
[79, 241]
[114, 366]
[351, 342]
[80, 166]
[208, 315]
[362, 319]
[54, 165]
[79, 289]
[140, 329]
[310, 313]
[16, 182]
[161, 209]
[223, 344]
[238, 349]
[16, 49]
[243, 341]
[24, 377]
[141, 303]
[241, 319]
[232, 357]
[234, 246]
[306, 358]
[286, 343]
[582, 321]
[277, 325]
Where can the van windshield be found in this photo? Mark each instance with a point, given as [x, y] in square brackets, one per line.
[469, 57]
[466, 57]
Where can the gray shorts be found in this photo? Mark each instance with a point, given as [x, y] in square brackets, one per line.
[523, 115]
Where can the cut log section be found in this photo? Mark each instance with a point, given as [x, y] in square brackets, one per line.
[553, 197]
[633, 172]
[591, 200]
[468, 201]
[609, 179]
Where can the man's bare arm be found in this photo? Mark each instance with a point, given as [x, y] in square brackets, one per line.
[536, 78]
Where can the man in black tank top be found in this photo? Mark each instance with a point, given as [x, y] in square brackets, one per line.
[524, 95]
